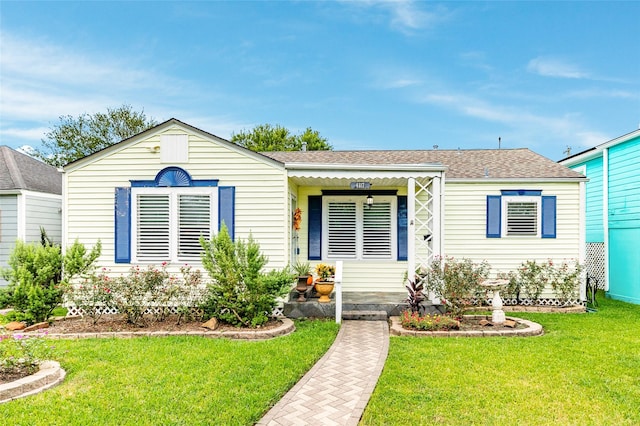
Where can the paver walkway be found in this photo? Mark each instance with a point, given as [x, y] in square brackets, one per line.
[336, 390]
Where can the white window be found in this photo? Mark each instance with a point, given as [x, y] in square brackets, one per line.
[167, 223]
[522, 216]
[355, 230]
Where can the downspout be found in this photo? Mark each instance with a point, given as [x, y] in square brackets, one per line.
[605, 214]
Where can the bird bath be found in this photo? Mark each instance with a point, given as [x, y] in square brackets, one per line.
[497, 316]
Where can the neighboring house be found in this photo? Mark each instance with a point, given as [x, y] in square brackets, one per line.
[384, 213]
[30, 199]
[613, 214]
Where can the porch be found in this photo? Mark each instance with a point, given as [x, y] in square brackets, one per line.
[355, 305]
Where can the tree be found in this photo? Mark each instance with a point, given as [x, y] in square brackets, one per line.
[265, 137]
[76, 137]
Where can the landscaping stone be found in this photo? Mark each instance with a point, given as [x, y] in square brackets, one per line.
[37, 326]
[15, 326]
[212, 324]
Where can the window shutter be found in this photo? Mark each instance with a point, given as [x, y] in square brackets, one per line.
[194, 221]
[376, 231]
[153, 239]
[493, 215]
[549, 216]
[122, 225]
[341, 239]
[402, 227]
[226, 209]
[315, 227]
[522, 218]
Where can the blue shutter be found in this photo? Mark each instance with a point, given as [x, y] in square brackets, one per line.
[315, 227]
[549, 216]
[494, 216]
[402, 227]
[122, 225]
[226, 208]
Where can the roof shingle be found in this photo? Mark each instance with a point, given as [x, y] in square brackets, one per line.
[21, 172]
[519, 163]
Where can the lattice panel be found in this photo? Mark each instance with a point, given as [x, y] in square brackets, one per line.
[594, 263]
[424, 224]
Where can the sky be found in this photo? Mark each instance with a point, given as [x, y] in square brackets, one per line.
[365, 74]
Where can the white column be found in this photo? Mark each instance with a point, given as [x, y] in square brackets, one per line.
[338, 289]
[411, 228]
[436, 220]
[582, 240]
[605, 214]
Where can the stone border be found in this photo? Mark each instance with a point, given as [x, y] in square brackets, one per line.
[287, 327]
[574, 309]
[533, 329]
[49, 375]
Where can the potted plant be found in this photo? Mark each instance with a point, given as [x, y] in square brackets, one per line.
[324, 283]
[303, 271]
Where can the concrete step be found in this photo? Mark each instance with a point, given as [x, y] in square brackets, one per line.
[365, 315]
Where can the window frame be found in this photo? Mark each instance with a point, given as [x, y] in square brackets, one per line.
[360, 203]
[174, 193]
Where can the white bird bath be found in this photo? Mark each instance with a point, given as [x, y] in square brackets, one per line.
[497, 316]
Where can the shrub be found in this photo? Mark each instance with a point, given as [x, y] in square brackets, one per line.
[415, 293]
[20, 353]
[435, 322]
[565, 280]
[35, 276]
[533, 277]
[240, 293]
[457, 283]
[93, 296]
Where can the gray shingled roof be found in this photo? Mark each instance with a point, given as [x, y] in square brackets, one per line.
[21, 172]
[462, 164]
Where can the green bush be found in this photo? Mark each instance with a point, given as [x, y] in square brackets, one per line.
[240, 293]
[456, 283]
[35, 276]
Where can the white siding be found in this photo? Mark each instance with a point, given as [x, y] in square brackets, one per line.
[8, 228]
[45, 212]
[465, 227]
[260, 203]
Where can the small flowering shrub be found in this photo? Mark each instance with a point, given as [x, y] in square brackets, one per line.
[532, 278]
[93, 295]
[435, 322]
[22, 353]
[565, 281]
[456, 282]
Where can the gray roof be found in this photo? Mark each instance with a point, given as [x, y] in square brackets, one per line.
[21, 172]
[462, 164]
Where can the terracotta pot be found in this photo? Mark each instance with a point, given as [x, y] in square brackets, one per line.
[301, 288]
[324, 289]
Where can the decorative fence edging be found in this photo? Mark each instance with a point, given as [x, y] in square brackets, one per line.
[49, 375]
[533, 329]
[285, 328]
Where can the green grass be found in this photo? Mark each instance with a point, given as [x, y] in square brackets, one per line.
[585, 370]
[173, 380]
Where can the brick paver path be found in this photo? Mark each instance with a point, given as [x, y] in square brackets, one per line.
[336, 390]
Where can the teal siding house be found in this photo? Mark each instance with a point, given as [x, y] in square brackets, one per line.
[613, 214]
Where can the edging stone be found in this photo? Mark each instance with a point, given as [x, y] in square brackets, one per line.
[49, 375]
[286, 327]
[533, 329]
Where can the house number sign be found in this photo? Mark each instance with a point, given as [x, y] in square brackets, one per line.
[360, 185]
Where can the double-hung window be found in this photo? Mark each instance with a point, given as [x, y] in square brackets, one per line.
[167, 223]
[355, 230]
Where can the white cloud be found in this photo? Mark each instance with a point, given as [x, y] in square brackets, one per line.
[554, 67]
[406, 16]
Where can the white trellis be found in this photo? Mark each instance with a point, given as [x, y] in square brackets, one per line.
[424, 223]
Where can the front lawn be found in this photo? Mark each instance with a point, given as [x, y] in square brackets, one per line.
[172, 380]
[585, 370]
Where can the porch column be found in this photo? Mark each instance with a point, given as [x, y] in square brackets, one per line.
[436, 242]
[411, 228]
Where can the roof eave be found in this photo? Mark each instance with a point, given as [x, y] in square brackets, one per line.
[516, 180]
[424, 167]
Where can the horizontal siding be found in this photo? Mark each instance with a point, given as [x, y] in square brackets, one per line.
[381, 275]
[594, 202]
[8, 229]
[624, 181]
[259, 205]
[465, 227]
[43, 212]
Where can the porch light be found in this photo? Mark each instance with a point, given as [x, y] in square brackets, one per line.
[369, 200]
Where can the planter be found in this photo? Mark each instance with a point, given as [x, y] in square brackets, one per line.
[301, 287]
[324, 289]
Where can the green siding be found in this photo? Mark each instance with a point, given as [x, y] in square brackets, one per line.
[624, 181]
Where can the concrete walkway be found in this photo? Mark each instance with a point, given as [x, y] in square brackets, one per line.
[336, 390]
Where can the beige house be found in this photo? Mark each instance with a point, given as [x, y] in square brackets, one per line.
[383, 213]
